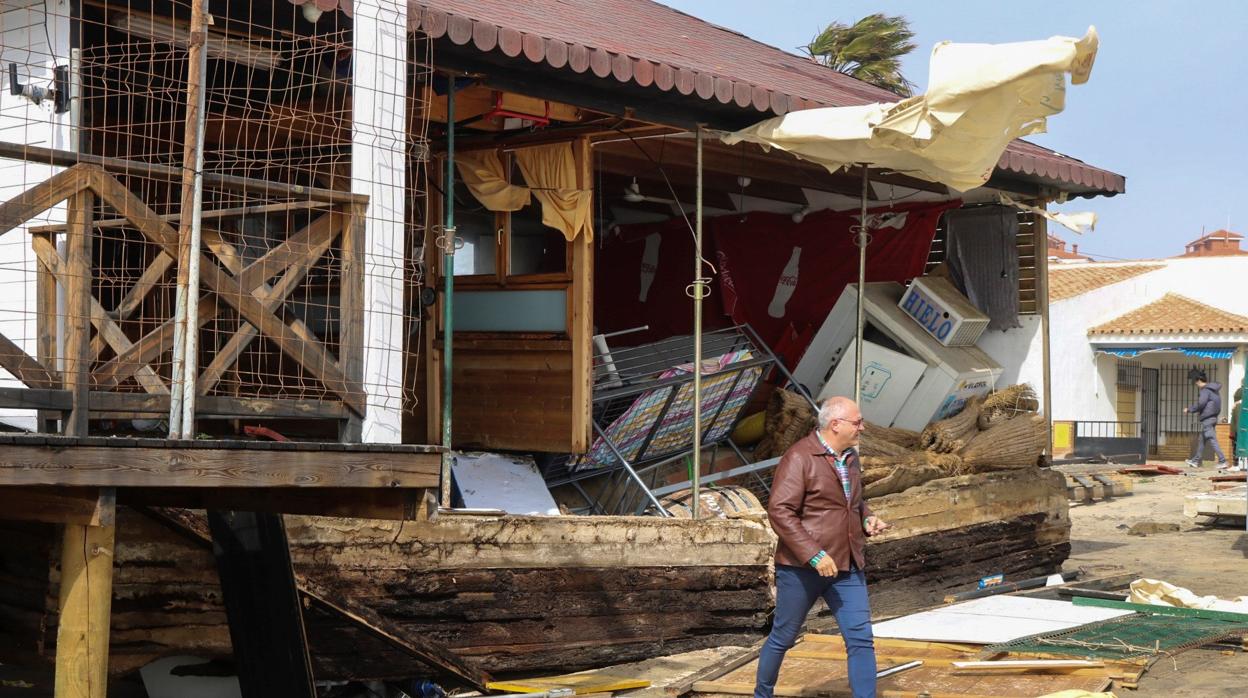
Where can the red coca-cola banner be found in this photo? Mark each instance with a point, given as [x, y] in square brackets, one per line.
[779, 276]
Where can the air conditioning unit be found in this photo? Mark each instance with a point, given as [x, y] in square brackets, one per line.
[942, 310]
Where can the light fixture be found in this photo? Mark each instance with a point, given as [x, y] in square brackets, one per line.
[311, 12]
[800, 214]
[743, 181]
[220, 46]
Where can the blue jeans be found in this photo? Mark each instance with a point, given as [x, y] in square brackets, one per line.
[797, 589]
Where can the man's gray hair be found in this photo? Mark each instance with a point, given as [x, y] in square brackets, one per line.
[833, 408]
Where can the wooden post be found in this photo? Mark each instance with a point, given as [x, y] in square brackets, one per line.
[1040, 234]
[78, 309]
[45, 322]
[582, 322]
[86, 597]
[351, 310]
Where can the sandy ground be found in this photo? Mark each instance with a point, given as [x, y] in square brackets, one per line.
[1204, 557]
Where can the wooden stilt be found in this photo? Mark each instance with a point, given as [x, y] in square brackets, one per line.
[86, 605]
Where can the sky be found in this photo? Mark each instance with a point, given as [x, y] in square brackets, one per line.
[1166, 106]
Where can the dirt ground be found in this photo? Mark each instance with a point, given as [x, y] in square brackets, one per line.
[1206, 557]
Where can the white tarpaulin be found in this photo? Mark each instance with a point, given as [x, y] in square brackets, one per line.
[980, 97]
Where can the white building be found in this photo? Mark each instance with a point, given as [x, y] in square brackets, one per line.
[1124, 336]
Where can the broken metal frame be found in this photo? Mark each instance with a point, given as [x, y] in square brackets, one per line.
[636, 374]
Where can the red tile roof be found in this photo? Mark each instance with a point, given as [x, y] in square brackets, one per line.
[1174, 314]
[652, 45]
[1078, 279]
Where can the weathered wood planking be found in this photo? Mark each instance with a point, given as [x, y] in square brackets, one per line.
[516, 399]
[131, 463]
[147, 403]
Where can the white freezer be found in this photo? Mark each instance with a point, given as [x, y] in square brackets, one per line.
[951, 376]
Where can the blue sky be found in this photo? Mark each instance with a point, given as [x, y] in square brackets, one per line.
[1166, 105]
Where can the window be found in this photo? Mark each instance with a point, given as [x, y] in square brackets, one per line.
[533, 252]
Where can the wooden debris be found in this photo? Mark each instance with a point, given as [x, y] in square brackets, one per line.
[789, 417]
[583, 683]
[1079, 667]
[1006, 403]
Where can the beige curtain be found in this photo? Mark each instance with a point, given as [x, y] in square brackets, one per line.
[483, 173]
[551, 172]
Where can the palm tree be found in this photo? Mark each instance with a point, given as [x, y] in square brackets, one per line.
[870, 50]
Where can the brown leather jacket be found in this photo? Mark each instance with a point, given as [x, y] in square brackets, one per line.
[808, 510]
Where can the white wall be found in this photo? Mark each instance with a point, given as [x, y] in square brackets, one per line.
[25, 27]
[1020, 353]
[1084, 382]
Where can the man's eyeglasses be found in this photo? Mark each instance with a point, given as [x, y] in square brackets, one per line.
[856, 423]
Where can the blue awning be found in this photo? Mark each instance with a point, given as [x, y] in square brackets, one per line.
[1195, 352]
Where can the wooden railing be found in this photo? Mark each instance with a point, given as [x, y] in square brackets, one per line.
[103, 362]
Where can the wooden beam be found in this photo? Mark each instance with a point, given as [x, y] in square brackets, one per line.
[311, 355]
[582, 304]
[120, 166]
[477, 100]
[46, 326]
[395, 504]
[82, 506]
[57, 400]
[240, 465]
[77, 283]
[86, 596]
[147, 349]
[24, 367]
[235, 212]
[351, 307]
[682, 175]
[41, 197]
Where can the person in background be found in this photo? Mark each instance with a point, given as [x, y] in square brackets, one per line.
[818, 512]
[1207, 409]
[1236, 408]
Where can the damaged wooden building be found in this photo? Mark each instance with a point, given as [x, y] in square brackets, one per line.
[268, 266]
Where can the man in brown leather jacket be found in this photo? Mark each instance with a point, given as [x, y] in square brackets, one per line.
[817, 510]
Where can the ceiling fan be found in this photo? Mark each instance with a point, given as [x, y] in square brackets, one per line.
[633, 195]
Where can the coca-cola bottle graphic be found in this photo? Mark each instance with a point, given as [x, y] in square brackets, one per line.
[649, 264]
[785, 286]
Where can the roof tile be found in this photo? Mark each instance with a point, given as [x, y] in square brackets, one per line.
[1068, 282]
[1174, 314]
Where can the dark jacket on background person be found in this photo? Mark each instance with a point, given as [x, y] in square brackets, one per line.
[808, 511]
[1209, 403]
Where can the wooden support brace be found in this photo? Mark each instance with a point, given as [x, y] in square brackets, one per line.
[86, 595]
[83, 506]
[77, 282]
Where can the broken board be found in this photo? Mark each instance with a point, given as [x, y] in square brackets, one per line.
[1228, 502]
[582, 683]
[815, 668]
[992, 620]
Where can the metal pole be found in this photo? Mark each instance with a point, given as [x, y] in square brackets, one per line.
[448, 294]
[190, 364]
[695, 476]
[862, 287]
[192, 183]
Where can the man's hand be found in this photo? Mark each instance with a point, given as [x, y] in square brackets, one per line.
[874, 526]
[826, 567]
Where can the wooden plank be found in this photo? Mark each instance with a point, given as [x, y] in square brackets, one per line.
[25, 367]
[77, 283]
[713, 671]
[351, 305]
[235, 212]
[311, 355]
[68, 505]
[108, 466]
[135, 295]
[582, 310]
[147, 349]
[85, 609]
[41, 197]
[121, 166]
[209, 405]
[394, 504]
[46, 326]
